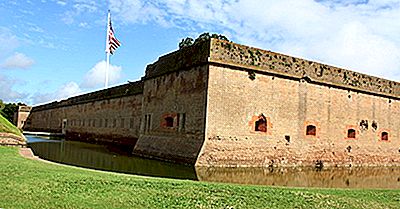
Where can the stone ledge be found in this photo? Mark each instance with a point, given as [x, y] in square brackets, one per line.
[8, 139]
[124, 90]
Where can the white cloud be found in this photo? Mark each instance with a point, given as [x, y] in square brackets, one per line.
[18, 61]
[83, 24]
[357, 34]
[69, 89]
[7, 94]
[132, 11]
[68, 17]
[95, 77]
[8, 41]
[62, 3]
[65, 91]
[88, 6]
[81, 9]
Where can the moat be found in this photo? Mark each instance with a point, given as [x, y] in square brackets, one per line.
[117, 159]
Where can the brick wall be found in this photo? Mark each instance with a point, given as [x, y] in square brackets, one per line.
[174, 115]
[289, 105]
[111, 115]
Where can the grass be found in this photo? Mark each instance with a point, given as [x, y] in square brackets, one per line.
[7, 127]
[26, 183]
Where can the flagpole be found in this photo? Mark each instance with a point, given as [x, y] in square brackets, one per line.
[107, 50]
[107, 70]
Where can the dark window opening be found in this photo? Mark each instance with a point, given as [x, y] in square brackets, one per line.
[385, 136]
[122, 122]
[131, 123]
[148, 122]
[311, 130]
[348, 148]
[261, 124]
[145, 122]
[287, 137]
[351, 133]
[364, 125]
[374, 125]
[169, 121]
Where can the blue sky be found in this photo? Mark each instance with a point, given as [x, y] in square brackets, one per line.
[53, 49]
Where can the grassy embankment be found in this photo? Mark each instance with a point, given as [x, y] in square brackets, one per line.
[7, 127]
[28, 183]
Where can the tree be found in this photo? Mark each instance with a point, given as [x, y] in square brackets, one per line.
[8, 110]
[2, 105]
[186, 42]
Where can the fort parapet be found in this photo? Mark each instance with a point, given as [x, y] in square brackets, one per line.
[267, 62]
[218, 103]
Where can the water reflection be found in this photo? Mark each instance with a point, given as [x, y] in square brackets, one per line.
[374, 177]
[115, 159]
[103, 157]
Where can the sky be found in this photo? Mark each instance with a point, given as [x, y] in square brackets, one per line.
[54, 49]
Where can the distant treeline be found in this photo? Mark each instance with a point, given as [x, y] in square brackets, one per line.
[7, 110]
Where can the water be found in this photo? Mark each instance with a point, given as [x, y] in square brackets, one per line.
[102, 157]
[116, 159]
[374, 177]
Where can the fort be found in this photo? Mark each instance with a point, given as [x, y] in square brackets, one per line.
[218, 103]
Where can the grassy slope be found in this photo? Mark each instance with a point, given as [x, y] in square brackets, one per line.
[7, 127]
[28, 183]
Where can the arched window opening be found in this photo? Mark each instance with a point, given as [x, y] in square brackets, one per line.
[261, 124]
[351, 133]
[169, 122]
[385, 136]
[311, 130]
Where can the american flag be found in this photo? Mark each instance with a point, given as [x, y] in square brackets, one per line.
[112, 42]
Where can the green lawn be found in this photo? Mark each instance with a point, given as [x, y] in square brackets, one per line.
[26, 183]
[7, 127]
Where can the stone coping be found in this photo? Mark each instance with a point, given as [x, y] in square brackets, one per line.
[259, 60]
[132, 88]
[215, 51]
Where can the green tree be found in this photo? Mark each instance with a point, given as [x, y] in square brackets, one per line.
[186, 42]
[2, 105]
[7, 110]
